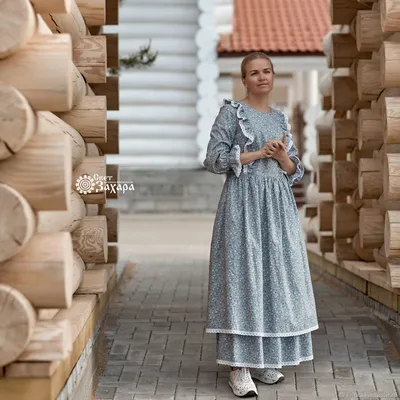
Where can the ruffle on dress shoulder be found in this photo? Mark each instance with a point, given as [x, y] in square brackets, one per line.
[244, 126]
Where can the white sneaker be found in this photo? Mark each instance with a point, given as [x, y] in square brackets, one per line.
[241, 383]
[269, 376]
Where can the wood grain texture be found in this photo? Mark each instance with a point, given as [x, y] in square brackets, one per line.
[344, 50]
[50, 341]
[71, 23]
[17, 26]
[90, 239]
[344, 177]
[62, 221]
[17, 222]
[369, 129]
[372, 226]
[17, 322]
[93, 11]
[42, 72]
[50, 124]
[345, 221]
[52, 6]
[369, 34]
[368, 80]
[17, 121]
[390, 65]
[42, 270]
[344, 136]
[364, 254]
[89, 118]
[392, 234]
[391, 176]
[41, 172]
[370, 181]
[391, 120]
[90, 58]
[94, 282]
[390, 15]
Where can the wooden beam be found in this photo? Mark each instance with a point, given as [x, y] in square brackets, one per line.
[93, 11]
[112, 50]
[112, 144]
[109, 89]
[90, 57]
[112, 12]
[344, 50]
[23, 379]
[343, 11]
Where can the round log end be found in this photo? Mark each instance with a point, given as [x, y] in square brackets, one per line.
[17, 121]
[90, 239]
[17, 25]
[17, 222]
[17, 322]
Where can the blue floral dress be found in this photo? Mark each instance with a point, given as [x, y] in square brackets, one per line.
[260, 298]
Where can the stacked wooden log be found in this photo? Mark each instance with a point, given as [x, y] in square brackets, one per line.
[55, 226]
[358, 162]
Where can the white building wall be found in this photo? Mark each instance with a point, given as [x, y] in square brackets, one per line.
[223, 12]
[207, 71]
[158, 105]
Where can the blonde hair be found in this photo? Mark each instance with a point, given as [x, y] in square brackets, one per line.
[254, 56]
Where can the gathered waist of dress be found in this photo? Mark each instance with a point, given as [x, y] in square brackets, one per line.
[263, 168]
[259, 173]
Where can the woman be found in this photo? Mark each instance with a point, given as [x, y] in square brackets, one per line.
[260, 302]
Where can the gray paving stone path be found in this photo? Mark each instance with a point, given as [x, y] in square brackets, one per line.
[157, 347]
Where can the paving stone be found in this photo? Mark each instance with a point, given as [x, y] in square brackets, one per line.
[158, 348]
[113, 370]
[201, 397]
[343, 372]
[123, 396]
[305, 384]
[153, 397]
[104, 392]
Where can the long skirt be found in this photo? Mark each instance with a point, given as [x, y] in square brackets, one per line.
[260, 301]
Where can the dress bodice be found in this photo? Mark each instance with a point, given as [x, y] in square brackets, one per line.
[264, 126]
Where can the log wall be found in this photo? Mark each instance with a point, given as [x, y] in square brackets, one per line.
[57, 235]
[353, 209]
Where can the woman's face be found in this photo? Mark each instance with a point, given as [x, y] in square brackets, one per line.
[259, 77]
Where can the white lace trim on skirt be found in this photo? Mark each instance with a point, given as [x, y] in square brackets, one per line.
[285, 363]
[262, 334]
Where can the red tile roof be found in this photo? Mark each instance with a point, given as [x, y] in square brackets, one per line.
[277, 26]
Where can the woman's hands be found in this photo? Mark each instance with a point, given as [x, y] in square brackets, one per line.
[274, 149]
[277, 149]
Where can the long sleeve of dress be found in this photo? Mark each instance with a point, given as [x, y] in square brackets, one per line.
[293, 155]
[221, 154]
